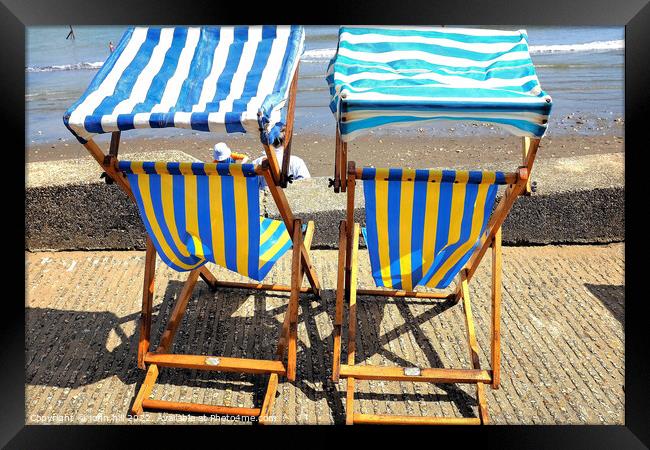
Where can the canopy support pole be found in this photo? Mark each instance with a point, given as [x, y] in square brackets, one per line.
[288, 133]
[106, 161]
[115, 143]
[525, 151]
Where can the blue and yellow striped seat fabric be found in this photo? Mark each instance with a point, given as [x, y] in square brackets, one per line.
[422, 225]
[200, 212]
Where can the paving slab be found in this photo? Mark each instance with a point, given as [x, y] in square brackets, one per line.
[562, 341]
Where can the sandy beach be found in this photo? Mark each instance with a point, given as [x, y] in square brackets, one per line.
[392, 150]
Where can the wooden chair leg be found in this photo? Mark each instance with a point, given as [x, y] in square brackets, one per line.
[296, 281]
[269, 400]
[349, 401]
[496, 311]
[352, 328]
[338, 318]
[145, 390]
[147, 302]
[482, 403]
[178, 312]
[473, 347]
[307, 240]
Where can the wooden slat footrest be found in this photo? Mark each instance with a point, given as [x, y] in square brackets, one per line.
[217, 363]
[258, 286]
[367, 372]
[198, 408]
[406, 294]
[413, 420]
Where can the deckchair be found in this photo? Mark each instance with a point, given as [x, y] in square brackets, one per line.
[209, 79]
[428, 227]
[196, 213]
[423, 228]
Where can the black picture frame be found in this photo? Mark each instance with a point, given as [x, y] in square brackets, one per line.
[15, 15]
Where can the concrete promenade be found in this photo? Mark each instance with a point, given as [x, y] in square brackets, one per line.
[68, 207]
[562, 340]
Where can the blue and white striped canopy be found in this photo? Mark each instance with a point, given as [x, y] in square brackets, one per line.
[404, 76]
[204, 78]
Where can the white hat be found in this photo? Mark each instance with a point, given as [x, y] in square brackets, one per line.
[221, 151]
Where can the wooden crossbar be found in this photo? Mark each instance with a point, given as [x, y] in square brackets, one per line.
[198, 408]
[510, 177]
[379, 419]
[431, 375]
[405, 294]
[260, 287]
[215, 363]
[257, 286]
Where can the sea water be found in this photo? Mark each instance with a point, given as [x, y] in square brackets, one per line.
[582, 68]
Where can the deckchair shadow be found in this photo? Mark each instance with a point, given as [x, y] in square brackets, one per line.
[81, 340]
[369, 317]
[318, 349]
[84, 339]
[612, 297]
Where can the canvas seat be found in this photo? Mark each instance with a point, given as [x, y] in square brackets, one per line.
[422, 225]
[221, 224]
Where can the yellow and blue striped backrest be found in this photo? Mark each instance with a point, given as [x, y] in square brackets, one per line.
[200, 212]
[422, 225]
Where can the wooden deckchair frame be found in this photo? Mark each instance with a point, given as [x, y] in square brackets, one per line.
[349, 232]
[275, 177]
[162, 356]
[341, 161]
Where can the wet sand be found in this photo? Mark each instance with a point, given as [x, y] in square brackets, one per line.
[382, 150]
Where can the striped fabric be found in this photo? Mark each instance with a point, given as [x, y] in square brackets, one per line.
[422, 225]
[200, 212]
[408, 76]
[204, 78]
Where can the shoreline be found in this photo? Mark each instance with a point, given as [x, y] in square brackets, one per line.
[380, 150]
